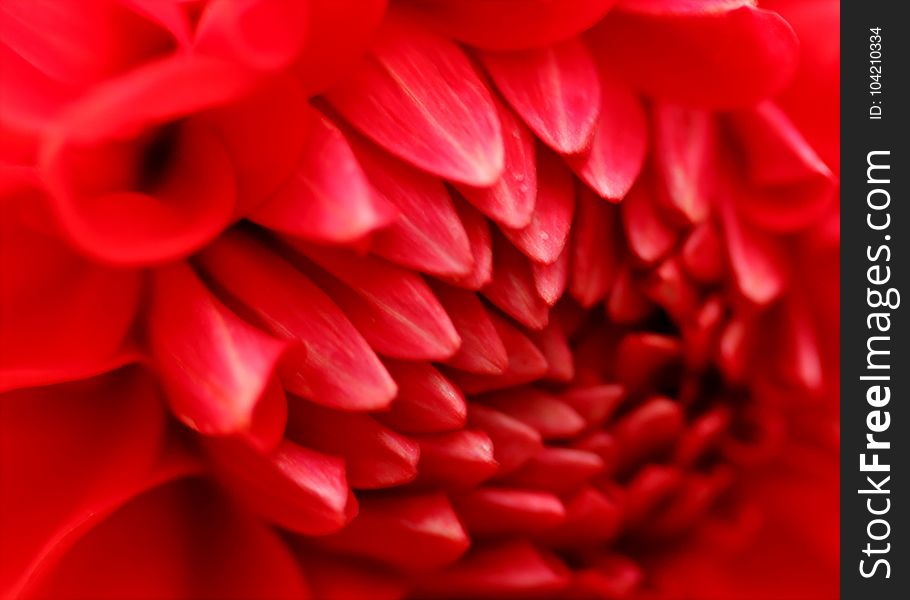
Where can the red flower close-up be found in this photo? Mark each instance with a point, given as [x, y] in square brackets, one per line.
[415, 299]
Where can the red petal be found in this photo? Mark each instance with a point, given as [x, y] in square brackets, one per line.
[457, 459]
[649, 235]
[428, 234]
[264, 133]
[215, 366]
[154, 93]
[295, 487]
[374, 456]
[510, 200]
[552, 342]
[328, 198]
[530, 22]
[617, 151]
[338, 35]
[642, 358]
[684, 143]
[526, 362]
[262, 34]
[544, 238]
[713, 58]
[595, 403]
[419, 97]
[702, 254]
[194, 545]
[427, 402]
[482, 350]
[551, 280]
[478, 230]
[393, 308]
[668, 287]
[425, 530]
[342, 579]
[507, 511]
[550, 416]
[595, 249]
[514, 443]
[757, 264]
[69, 455]
[128, 227]
[556, 90]
[331, 364]
[513, 289]
[627, 303]
[591, 517]
[650, 428]
[560, 470]
[61, 317]
[53, 51]
[791, 187]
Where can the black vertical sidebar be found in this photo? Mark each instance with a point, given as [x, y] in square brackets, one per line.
[875, 269]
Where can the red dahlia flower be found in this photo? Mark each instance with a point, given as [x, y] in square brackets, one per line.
[445, 298]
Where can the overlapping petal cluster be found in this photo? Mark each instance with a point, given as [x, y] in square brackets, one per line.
[350, 299]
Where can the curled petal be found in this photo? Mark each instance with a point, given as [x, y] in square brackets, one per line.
[215, 366]
[418, 96]
[556, 90]
[132, 227]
